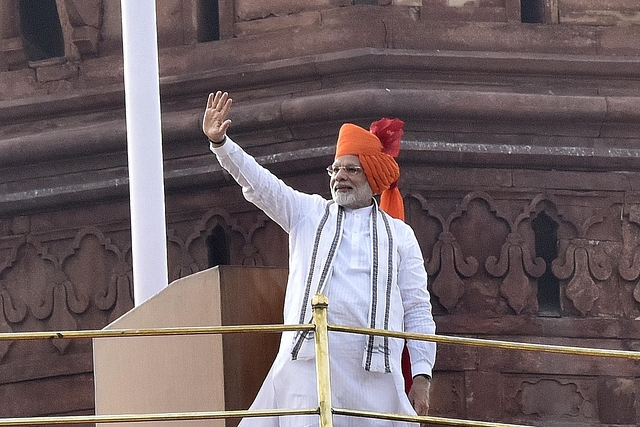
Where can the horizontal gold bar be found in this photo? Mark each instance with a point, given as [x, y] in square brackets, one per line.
[98, 419]
[477, 342]
[112, 333]
[423, 419]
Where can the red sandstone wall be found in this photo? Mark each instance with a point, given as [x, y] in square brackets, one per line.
[254, 32]
[505, 121]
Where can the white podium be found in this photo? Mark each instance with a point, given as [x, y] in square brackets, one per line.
[197, 373]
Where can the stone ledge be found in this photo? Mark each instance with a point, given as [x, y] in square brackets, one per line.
[585, 69]
[529, 326]
[551, 115]
[465, 125]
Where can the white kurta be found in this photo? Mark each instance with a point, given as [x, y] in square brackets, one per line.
[292, 383]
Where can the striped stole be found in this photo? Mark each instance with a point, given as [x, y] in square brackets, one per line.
[383, 277]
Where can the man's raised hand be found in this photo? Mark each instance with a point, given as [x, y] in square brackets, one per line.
[215, 122]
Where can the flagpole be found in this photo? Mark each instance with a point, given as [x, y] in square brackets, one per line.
[144, 148]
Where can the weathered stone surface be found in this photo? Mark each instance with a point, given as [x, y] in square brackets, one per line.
[599, 12]
[514, 362]
[247, 10]
[86, 39]
[85, 13]
[171, 22]
[407, 2]
[551, 400]
[111, 43]
[484, 36]
[446, 398]
[56, 72]
[293, 21]
[619, 40]
[464, 11]
[456, 358]
[52, 396]
[505, 123]
[18, 84]
[488, 405]
[617, 400]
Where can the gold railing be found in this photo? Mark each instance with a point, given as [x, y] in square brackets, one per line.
[324, 410]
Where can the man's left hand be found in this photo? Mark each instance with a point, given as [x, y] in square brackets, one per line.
[419, 395]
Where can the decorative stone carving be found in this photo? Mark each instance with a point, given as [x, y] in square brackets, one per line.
[58, 286]
[582, 260]
[617, 400]
[550, 397]
[58, 296]
[447, 261]
[630, 269]
[514, 265]
[183, 263]
[189, 254]
[116, 293]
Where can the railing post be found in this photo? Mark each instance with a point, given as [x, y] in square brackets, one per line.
[320, 303]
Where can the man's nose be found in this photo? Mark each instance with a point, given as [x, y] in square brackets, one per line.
[340, 175]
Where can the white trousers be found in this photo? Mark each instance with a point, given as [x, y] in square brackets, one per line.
[292, 384]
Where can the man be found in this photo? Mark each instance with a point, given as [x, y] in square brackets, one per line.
[368, 264]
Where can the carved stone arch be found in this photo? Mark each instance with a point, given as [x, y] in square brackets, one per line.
[93, 231]
[252, 255]
[478, 195]
[191, 254]
[479, 225]
[426, 207]
[586, 262]
[18, 276]
[181, 262]
[426, 221]
[568, 227]
[447, 264]
[550, 206]
[85, 263]
[59, 298]
[539, 224]
[9, 251]
[611, 210]
[196, 243]
[519, 266]
[481, 228]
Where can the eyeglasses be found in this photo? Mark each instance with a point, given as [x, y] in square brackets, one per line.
[350, 170]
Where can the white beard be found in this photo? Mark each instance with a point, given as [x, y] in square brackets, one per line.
[358, 198]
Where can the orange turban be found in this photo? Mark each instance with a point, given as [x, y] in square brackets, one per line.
[377, 148]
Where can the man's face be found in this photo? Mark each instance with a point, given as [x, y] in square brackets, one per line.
[349, 189]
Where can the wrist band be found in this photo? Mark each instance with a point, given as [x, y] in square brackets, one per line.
[218, 144]
[428, 377]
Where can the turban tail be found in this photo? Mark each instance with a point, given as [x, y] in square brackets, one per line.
[377, 148]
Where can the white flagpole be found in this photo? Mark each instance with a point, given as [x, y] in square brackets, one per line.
[144, 148]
